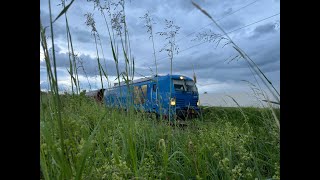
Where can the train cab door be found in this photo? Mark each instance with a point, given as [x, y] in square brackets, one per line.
[154, 97]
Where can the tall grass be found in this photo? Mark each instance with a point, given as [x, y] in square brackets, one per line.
[73, 70]
[90, 22]
[149, 25]
[170, 33]
[118, 30]
[81, 139]
[243, 54]
[252, 65]
[56, 109]
[228, 144]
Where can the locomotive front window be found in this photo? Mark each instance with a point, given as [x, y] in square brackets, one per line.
[191, 86]
[184, 85]
[179, 85]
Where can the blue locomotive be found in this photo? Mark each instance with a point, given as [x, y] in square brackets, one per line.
[152, 94]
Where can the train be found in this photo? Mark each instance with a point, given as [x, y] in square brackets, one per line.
[96, 95]
[153, 95]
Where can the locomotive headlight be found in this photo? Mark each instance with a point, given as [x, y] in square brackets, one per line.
[198, 103]
[172, 101]
[181, 77]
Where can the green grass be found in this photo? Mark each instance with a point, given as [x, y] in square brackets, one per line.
[105, 143]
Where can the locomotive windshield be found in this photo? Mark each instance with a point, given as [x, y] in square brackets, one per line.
[184, 85]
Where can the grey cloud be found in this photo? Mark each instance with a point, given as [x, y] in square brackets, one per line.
[44, 85]
[90, 65]
[227, 11]
[231, 24]
[212, 64]
[270, 67]
[43, 73]
[209, 63]
[57, 28]
[45, 18]
[263, 30]
[61, 73]
[156, 5]
[84, 39]
[62, 87]
[82, 35]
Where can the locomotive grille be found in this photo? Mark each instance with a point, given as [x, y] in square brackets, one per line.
[180, 102]
[193, 102]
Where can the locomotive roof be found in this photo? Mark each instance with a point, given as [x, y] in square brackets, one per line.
[174, 76]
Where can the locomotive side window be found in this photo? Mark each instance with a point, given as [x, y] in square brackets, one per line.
[144, 93]
[136, 95]
[140, 94]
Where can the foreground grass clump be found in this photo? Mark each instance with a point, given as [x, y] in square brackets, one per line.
[104, 143]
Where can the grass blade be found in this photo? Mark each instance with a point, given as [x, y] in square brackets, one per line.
[63, 11]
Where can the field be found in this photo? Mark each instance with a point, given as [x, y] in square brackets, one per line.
[101, 143]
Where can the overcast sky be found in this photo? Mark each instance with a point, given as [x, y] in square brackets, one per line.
[261, 41]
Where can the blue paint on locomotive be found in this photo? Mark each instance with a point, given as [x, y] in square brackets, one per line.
[145, 95]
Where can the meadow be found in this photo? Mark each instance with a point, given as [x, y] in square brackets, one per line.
[101, 143]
